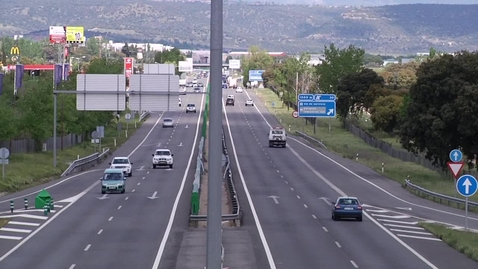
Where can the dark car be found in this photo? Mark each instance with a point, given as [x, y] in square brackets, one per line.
[197, 89]
[347, 207]
[200, 84]
[230, 102]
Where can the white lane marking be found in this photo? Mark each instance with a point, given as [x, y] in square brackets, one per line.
[87, 247]
[139, 183]
[24, 223]
[325, 229]
[399, 222]
[338, 244]
[314, 216]
[72, 266]
[354, 264]
[410, 232]
[59, 206]
[341, 193]
[298, 197]
[126, 198]
[419, 237]
[391, 217]
[377, 210]
[133, 190]
[403, 226]
[10, 237]
[286, 182]
[100, 231]
[267, 250]
[292, 189]
[305, 206]
[119, 207]
[110, 218]
[162, 246]
[13, 230]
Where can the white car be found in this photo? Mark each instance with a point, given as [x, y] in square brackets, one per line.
[239, 90]
[124, 164]
[163, 157]
[249, 102]
[230, 96]
[191, 108]
[168, 122]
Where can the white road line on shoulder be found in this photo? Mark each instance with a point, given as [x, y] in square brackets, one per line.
[87, 247]
[419, 237]
[133, 190]
[410, 232]
[126, 198]
[10, 237]
[119, 207]
[110, 218]
[262, 236]
[305, 206]
[314, 216]
[338, 244]
[298, 197]
[100, 231]
[399, 222]
[341, 193]
[24, 223]
[13, 230]
[162, 246]
[354, 264]
[325, 229]
[403, 226]
[72, 266]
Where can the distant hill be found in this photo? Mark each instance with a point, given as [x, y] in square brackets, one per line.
[363, 2]
[292, 28]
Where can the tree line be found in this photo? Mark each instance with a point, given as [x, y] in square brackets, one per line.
[430, 104]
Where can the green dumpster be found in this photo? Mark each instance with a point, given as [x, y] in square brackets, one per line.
[42, 199]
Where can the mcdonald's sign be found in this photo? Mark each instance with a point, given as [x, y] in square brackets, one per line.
[15, 51]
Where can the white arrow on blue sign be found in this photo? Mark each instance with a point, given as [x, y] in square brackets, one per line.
[467, 185]
[456, 155]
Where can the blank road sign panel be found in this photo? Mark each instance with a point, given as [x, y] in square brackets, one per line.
[140, 100]
[156, 69]
[87, 84]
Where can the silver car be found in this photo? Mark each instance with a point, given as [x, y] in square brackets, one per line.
[191, 108]
[168, 122]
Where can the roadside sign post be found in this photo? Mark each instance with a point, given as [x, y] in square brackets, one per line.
[95, 135]
[466, 185]
[128, 118]
[317, 106]
[456, 164]
[4, 154]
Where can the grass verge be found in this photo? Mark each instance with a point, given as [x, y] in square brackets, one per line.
[344, 143]
[26, 170]
[464, 242]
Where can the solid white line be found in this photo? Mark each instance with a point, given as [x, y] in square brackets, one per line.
[354, 264]
[391, 217]
[111, 218]
[13, 230]
[59, 206]
[341, 193]
[377, 210]
[338, 245]
[410, 232]
[399, 222]
[10, 237]
[419, 237]
[24, 223]
[267, 250]
[162, 246]
[87, 247]
[403, 226]
[100, 231]
[72, 266]
[325, 229]
[119, 207]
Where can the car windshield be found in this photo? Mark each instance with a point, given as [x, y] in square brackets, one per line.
[168, 120]
[276, 132]
[191, 105]
[120, 161]
[113, 176]
[162, 153]
[348, 201]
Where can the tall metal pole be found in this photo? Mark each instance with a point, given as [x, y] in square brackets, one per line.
[54, 128]
[214, 213]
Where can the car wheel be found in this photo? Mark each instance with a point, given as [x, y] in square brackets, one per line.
[252, 105]
[334, 217]
[130, 174]
[359, 218]
[171, 166]
[103, 192]
[123, 191]
[154, 166]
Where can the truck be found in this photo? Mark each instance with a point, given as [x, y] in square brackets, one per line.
[182, 83]
[277, 137]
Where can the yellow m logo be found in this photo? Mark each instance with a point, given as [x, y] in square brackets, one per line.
[15, 51]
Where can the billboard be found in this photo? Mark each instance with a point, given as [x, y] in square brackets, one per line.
[75, 34]
[185, 66]
[255, 75]
[128, 66]
[57, 35]
[234, 64]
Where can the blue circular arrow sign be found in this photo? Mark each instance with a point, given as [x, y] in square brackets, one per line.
[467, 185]
[456, 155]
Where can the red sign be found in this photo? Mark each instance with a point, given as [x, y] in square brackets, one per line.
[455, 168]
[295, 114]
[128, 66]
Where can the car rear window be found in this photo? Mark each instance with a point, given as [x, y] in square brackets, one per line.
[277, 132]
[348, 202]
[167, 120]
[191, 105]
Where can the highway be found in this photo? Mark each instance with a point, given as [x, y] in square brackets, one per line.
[291, 191]
[91, 230]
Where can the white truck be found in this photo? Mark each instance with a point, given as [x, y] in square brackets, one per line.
[277, 137]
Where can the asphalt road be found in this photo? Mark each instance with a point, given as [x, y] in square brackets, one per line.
[298, 228]
[116, 230]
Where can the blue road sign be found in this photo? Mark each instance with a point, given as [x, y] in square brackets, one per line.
[317, 105]
[467, 185]
[255, 75]
[456, 155]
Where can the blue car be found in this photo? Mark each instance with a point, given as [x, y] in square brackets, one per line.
[347, 208]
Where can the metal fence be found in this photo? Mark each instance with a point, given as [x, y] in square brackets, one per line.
[86, 162]
[27, 145]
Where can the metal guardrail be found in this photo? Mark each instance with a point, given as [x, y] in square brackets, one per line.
[236, 214]
[310, 139]
[443, 199]
[86, 162]
[143, 115]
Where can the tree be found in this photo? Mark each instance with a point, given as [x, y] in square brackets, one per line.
[352, 92]
[105, 66]
[338, 63]
[125, 50]
[93, 46]
[442, 108]
[257, 59]
[7, 120]
[385, 112]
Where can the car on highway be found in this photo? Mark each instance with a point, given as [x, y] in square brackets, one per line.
[197, 89]
[168, 122]
[180, 102]
[189, 84]
[230, 96]
[347, 207]
[238, 90]
[200, 84]
[195, 81]
[191, 108]
[163, 157]
[124, 164]
[249, 102]
[229, 101]
[113, 180]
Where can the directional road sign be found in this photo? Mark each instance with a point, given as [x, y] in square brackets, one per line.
[455, 168]
[456, 155]
[317, 105]
[467, 185]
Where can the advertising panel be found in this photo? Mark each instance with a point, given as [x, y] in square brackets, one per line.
[75, 34]
[185, 66]
[128, 66]
[57, 35]
[234, 64]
